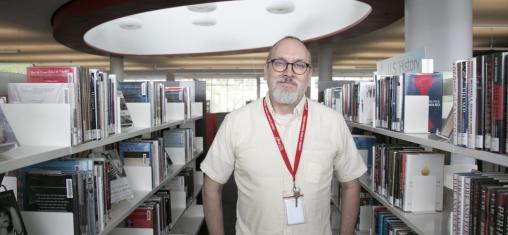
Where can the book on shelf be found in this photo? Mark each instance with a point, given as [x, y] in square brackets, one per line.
[409, 177]
[179, 94]
[8, 139]
[479, 203]
[125, 116]
[116, 177]
[10, 214]
[430, 84]
[91, 94]
[364, 144]
[498, 139]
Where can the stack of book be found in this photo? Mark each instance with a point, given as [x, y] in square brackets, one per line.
[155, 213]
[480, 102]
[146, 153]
[410, 103]
[85, 187]
[358, 101]
[157, 95]
[385, 223]
[333, 98]
[409, 178]
[480, 202]
[91, 94]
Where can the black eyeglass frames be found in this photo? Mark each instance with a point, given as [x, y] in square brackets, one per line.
[280, 65]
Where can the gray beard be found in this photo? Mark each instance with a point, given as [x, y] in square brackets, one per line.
[283, 96]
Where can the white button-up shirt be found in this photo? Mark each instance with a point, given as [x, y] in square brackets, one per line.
[245, 145]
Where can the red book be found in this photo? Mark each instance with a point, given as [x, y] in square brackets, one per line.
[142, 217]
[50, 74]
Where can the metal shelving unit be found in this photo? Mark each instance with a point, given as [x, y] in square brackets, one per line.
[29, 155]
[124, 208]
[421, 223]
[436, 142]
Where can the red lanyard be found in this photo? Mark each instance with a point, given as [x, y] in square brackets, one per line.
[278, 140]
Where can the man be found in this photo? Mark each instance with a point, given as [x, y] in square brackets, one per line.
[283, 150]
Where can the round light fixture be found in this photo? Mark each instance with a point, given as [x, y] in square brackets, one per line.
[281, 7]
[130, 23]
[208, 7]
[204, 21]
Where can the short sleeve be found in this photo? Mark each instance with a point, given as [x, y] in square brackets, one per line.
[220, 160]
[348, 163]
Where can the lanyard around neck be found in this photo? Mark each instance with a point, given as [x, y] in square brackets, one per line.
[278, 140]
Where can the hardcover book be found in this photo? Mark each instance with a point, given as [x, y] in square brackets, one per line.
[41, 93]
[9, 213]
[135, 153]
[7, 138]
[430, 85]
[135, 92]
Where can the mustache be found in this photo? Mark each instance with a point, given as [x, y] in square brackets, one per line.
[287, 79]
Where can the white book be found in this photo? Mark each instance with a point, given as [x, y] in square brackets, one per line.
[423, 182]
[471, 96]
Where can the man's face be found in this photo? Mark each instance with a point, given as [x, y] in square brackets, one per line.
[288, 87]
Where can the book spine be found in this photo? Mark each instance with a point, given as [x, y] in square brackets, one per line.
[471, 94]
[455, 81]
[480, 102]
[498, 118]
[487, 72]
[464, 103]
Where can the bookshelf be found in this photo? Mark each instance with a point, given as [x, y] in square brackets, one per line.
[421, 223]
[29, 155]
[124, 208]
[436, 142]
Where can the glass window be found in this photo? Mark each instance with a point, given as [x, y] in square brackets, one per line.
[228, 94]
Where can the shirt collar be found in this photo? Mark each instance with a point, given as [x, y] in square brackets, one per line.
[297, 111]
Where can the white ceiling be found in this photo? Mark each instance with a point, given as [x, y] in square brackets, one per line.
[27, 32]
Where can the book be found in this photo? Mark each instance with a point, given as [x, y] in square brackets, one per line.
[135, 92]
[8, 139]
[41, 93]
[125, 117]
[9, 212]
[429, 84]
[364, 145]
[135, 153]
[423, 182]
[498, 131]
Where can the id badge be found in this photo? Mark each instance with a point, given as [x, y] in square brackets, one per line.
[294, 210]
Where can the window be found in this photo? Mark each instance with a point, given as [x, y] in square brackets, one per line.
[228, 94]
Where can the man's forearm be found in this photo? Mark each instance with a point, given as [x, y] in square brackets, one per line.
[350, 201]
[212, 205]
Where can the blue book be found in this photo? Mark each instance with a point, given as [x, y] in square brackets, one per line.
[134, 92]
[364, 144]
[430, 84]
[135, 153]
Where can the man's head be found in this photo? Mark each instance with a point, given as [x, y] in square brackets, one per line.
[288, 70]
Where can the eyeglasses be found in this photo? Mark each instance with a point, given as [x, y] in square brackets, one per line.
[280, 65]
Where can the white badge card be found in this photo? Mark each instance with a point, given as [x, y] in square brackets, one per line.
[294, 210]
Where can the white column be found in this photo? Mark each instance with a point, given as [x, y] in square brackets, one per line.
[325, 66]
[116, 67]
[443, 28]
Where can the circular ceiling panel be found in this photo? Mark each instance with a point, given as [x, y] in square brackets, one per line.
[224, 26]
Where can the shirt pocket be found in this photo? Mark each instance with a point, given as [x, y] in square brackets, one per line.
[317, 165]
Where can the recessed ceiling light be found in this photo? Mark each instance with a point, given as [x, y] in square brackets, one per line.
[208, 7]
[130, 23]
[281, 7]
[204, 21]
